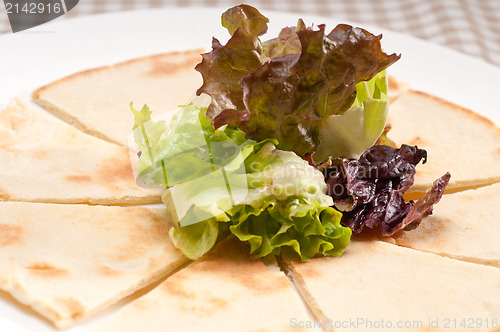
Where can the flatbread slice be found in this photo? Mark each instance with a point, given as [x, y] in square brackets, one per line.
[69, 261]
[396, 88]
[375, 286]
[456, 139]
[464, 226]
[43, 159]
[228, 290]
[97, 100]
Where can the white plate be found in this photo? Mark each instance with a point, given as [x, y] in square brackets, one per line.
[40, 55]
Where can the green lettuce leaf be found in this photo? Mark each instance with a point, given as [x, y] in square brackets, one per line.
[352, 133]
[195, 238]
[147, 135]
[189, 141]
[221, 183]
[280, 91]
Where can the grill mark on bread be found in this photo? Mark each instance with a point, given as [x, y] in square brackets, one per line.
[40, 154]
[106, 271]
[78, 178]
[16, 118]
[160, 67]
[203, 304]
[47, 270]
[218, 303]
[232, 261]
[10, 234]
[111, 173]
[308, 269]
[115, 170]
[159, 228]
[73, 306]
[175, 288]
[436, 225]
[141, 236]
[3, 196]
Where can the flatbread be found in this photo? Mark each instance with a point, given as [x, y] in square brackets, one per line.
[456, 139]
[97, 100]
[68, 261]
[43, 159]
[228, 290]
[374, 281]
[464, 226]
[396, 88]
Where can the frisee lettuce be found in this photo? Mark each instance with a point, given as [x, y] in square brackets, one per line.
[220, 183]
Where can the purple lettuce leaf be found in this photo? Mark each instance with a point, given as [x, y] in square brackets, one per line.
[279, 90]
[286, 43]
[222, 71]
[423, 207]
[245, 17]
[370, 190]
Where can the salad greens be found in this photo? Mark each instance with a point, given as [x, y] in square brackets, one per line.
[369, 190]
[221, 183]
[240, 159]
[353, 132]
[289, 97]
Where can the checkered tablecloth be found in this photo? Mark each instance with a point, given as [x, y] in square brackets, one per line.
[469, 26]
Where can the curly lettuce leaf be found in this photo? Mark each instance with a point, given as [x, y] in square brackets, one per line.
[286, 43]
[370, 190]
[289, 96]
[190, 141]
[221, 183]
[222, 71]
[245, 17]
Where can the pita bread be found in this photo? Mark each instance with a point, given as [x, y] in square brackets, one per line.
[374, 281]
[396, 88]
[228, 290]
[464, 226]
[456, 139]
[43, 159]
[97, 100]
[69, 261]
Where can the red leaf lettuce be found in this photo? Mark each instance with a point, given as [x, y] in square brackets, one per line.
[279, 90]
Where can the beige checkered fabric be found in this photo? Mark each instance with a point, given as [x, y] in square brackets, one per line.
[469, 26]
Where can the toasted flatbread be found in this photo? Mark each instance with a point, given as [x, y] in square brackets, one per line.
[43, 159]
[374, 281]
[68, 261]
[396, 88]
[464, 225]
[456, 139]
[228, 290]
[97, 100]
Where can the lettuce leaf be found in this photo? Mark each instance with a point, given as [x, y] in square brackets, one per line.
[370, 190]
[220, 183]
[280, 91]
[246, 17]
[189, 141]
[352, 133]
